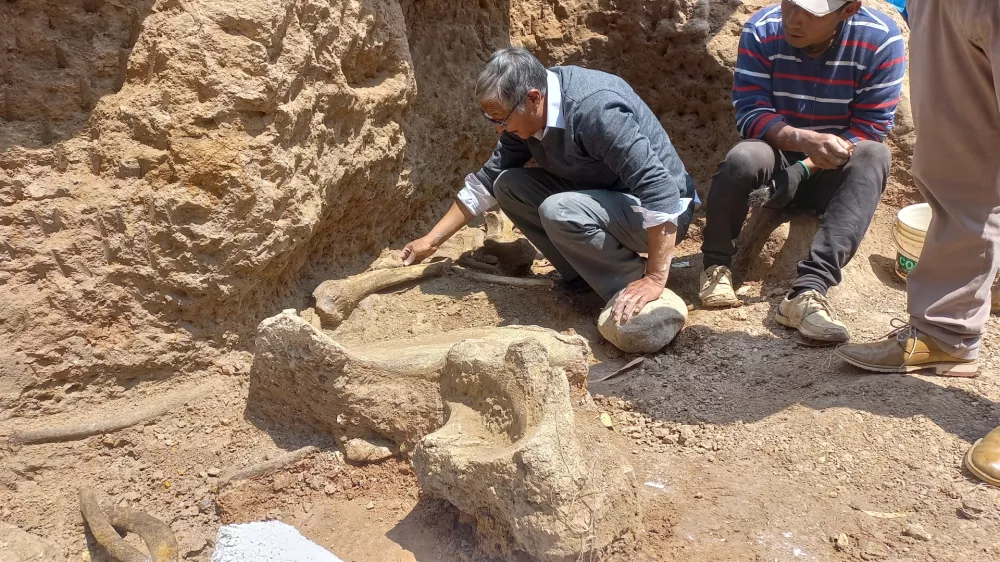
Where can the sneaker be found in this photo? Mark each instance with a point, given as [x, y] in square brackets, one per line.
[904, 351]
[811, 314]
[717, 287]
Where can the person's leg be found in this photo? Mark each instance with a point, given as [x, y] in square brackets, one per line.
[956, 168]
[954, 56]
[749, 165]
[601, 236]
[520, 192]
[847, 198]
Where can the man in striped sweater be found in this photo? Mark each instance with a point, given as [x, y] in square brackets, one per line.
[815, 90]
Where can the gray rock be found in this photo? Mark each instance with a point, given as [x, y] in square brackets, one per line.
[917, 531]
[649, 331]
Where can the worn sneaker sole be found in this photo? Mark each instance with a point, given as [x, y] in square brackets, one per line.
[719, 301]
[975, 469]
[805, 331]
[940, 368]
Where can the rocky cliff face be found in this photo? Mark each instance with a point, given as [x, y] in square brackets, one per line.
[168, 167]
[173, 171]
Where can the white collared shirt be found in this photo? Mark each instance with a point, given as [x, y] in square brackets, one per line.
[478, 199]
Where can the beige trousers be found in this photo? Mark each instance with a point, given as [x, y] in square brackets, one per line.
[954, 74]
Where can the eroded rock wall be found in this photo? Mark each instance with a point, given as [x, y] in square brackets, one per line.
[167, 168]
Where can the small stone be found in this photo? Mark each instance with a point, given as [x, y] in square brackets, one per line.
[917, 531]
[842, 542]
[132, 496]
[214, 471]
[206, 505]
[330, 489]
[698, 495]
[972, 508]
[687, 436]
[367, 450]
[371, 505]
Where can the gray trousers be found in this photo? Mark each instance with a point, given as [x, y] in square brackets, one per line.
[592, 234]
[954, 79]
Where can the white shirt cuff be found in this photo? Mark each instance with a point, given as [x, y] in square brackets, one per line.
[475, 196]
[656, 218]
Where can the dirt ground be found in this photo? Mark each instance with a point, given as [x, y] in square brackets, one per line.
[748, 445]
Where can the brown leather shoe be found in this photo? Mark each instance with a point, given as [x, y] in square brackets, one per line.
[904, 351]
[983, 458]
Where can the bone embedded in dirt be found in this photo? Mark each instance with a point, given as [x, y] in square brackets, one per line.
[657, 325]
[336, 299]
[20, 546]
[513, 455]
[514, 253]
[388, 392]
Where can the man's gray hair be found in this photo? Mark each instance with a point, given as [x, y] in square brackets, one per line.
[509, 75]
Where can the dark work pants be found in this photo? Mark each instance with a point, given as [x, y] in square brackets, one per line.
[593, 234]
[846, 197]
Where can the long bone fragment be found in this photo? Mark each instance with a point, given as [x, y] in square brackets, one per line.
[336, 299]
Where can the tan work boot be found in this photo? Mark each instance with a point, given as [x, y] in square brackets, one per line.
[983, 458]
[811, 314]
[717, 287]
[904, 351]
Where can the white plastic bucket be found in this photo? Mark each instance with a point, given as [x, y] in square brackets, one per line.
[908, 233]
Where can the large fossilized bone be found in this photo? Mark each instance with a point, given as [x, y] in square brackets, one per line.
[337, 298]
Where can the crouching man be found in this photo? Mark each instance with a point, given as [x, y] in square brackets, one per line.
[609, 184]
[816, 88]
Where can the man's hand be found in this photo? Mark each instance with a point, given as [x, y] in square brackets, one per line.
[637, 295]
[422, 248]
[418, 250]
[827, 151]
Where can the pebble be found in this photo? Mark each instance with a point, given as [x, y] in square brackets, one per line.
[842, 542]
[917, 531]
[972, 508]
[330, 489]
[206, 505]
[214, 471]
[687, 435]
[371, 505]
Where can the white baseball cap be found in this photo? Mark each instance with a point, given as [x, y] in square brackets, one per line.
[821, 7]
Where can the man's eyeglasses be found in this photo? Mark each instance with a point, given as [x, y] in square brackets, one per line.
[505, 119]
